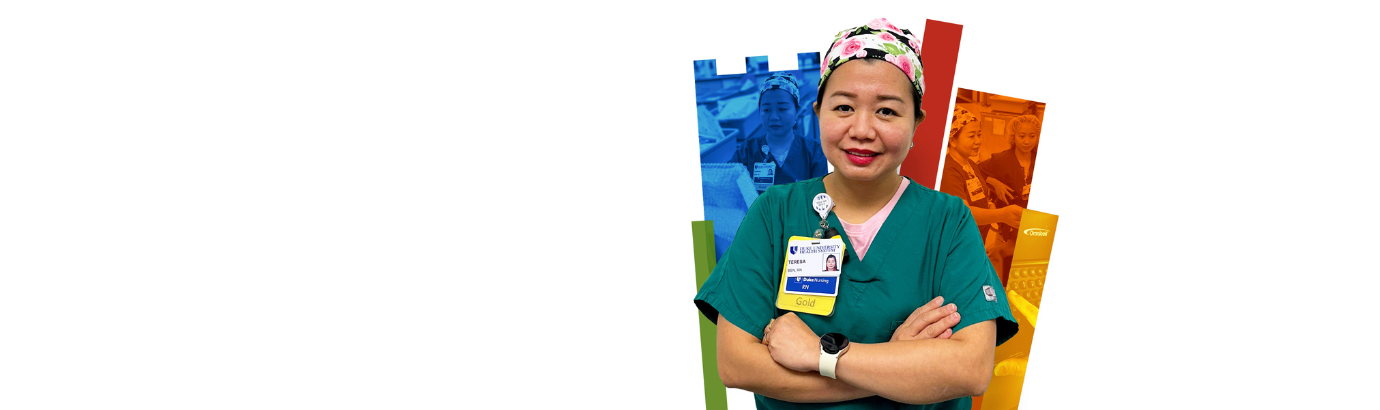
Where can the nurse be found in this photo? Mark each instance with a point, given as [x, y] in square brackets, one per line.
[965, 179]
[918, 312]
[1009, 172]
[780, 155]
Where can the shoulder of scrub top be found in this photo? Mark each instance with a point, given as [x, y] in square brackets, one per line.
[928, 198]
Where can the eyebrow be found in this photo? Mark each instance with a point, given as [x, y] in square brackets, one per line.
[883, 97]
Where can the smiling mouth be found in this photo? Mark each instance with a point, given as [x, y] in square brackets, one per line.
[861, 157]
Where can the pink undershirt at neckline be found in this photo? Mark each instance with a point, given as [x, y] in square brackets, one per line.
[861, 235]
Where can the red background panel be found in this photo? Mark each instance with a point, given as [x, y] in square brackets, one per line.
[939, 54]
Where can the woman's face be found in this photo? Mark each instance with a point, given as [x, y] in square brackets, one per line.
[866, 119]
[1025, 138]
[778, 112]
[830, 263]
[968, 140]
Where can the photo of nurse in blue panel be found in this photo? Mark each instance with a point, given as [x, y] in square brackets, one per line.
[753, 134]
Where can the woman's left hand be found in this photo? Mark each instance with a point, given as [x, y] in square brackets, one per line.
[1000, 190]
[792, 343]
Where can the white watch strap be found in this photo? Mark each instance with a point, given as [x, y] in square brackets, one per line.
[827, 362]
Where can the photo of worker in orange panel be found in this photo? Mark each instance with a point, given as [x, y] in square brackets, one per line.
[963, 178]
[990, 163]
[1001, 136]
[1009, 171]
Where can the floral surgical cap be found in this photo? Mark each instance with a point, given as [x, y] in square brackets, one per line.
[961, 117]
[785, 82]
[880, 40]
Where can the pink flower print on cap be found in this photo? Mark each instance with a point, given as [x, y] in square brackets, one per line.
[881, 40]
[854, 48]
[902, 63]
[882, 24]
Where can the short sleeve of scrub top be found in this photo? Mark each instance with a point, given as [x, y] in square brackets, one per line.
[929, 246]
[743, 285]
[968, 277]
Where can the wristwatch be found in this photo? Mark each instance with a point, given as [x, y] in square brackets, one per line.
[832, 346]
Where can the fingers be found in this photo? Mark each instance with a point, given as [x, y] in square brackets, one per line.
[937, 315]
[930, 321]
[947, 333]
[913, 324]
[766, 333]
[942, 326]
[933, 303]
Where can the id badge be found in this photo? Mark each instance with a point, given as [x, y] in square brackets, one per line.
[811, 275]
[975, 191]
[763, 175]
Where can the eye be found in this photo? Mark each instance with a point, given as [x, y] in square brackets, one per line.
[887, 111]
[844, 108]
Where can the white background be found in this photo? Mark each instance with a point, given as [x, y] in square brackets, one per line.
[290, 204]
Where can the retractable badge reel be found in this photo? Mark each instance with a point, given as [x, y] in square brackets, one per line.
[823, 204]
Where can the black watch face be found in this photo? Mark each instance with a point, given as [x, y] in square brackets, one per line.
[833, 343]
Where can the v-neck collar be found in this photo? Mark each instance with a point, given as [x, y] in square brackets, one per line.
[858, 269]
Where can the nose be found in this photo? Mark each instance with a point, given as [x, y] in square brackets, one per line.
[861, 127]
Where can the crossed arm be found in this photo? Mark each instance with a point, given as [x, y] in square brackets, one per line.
[924, 362]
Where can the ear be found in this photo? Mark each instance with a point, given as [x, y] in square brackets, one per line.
[816, 108]
[917, 122]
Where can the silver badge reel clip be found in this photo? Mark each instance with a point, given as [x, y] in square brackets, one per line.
[823, 204]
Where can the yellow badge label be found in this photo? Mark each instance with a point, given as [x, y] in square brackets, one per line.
[798, 296]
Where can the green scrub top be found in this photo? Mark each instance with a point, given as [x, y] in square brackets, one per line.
[928, 246]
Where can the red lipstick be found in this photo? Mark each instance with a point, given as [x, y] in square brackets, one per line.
[860, 157]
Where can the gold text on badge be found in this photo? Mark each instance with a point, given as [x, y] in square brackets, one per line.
[804, 302]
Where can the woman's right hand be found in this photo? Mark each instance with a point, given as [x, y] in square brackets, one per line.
[1011, 215]
[934, 320]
